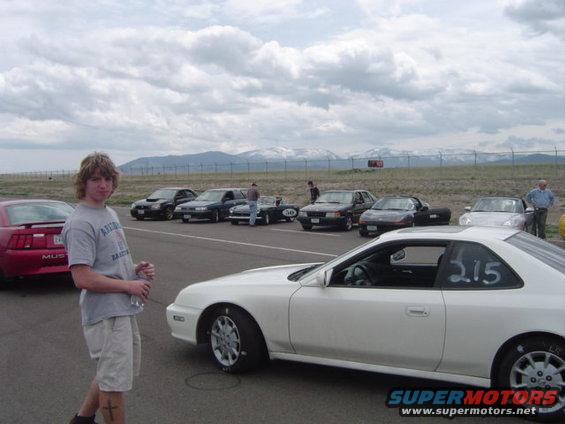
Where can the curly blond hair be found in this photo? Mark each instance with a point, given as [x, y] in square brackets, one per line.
[96, 161]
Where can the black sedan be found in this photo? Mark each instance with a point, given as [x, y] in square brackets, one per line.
[336, 208]
[213, 205]
[161, 203]
[391, 213]
[269, 209]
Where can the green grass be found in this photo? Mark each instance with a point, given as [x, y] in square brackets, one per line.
[454, 187]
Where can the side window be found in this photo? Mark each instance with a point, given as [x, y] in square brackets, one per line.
[358, 197]
[393, 266]
[473, 266]
[228, 195]
[238, 195]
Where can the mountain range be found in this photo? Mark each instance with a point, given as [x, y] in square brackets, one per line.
[279, 157]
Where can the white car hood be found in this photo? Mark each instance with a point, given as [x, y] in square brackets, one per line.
[493, 219]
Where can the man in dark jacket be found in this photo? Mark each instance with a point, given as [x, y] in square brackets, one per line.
[314, 192]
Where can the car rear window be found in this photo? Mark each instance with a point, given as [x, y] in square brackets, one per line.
[546, 252]
[38, 212]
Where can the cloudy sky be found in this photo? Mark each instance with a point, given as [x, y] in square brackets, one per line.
[142, 78]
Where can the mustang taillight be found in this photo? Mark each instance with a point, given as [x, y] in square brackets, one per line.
[27, 241]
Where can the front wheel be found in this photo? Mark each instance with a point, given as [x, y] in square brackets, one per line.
[234, 222]
[348, 225]
[306, 227]
[215, 216]
[186, 221]
[363, 233]
[266, 219]
[168, 214]
[536, 363]
[139, 218]
[236, 342]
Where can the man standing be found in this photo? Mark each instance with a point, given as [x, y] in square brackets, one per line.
[101, 265]
[314, 192]
[541, 198]
[252, 197]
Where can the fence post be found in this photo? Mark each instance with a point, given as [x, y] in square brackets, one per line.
[266, 168]
[201, 171]
[285, 168]
[188, 168]
[556, 167]
[306, 168]
[248, 168]
[513, 162]
[329, 166]
[352, 165]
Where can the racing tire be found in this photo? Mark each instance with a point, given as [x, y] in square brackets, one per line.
[348, 225]
[306, 227]
[140, 218]
[186, 221]
[168, 215]
[534, 362]
[266, 219]
[215, 216]
[235, 341]
[234, 222]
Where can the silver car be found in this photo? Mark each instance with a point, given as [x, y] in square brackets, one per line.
[499, 211]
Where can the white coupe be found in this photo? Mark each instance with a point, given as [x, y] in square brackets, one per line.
[473, 305]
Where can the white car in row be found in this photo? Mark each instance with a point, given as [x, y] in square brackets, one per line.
[499, 211]
[472, 305]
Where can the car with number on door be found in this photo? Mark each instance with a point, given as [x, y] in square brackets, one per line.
[471, 305]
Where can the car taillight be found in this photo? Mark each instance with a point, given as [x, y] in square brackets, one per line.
[27, 241]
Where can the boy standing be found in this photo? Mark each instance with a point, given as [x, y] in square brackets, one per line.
[101, 265]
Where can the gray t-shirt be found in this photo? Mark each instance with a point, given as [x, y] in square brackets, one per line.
[94, 237]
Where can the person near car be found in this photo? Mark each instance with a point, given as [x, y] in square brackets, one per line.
[101, 265]
[314, 192]
[541, 198]
[252, 198]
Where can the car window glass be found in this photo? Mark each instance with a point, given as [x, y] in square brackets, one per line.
[473, 266]
[38, 212]
[358, 197]
[228, 195]
[238, 194]
[393, 266]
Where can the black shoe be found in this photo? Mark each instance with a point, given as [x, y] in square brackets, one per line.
[83, 420]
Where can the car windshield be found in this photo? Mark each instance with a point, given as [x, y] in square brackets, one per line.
[295, 276]
[546, 252]
[211, 196]
[267, 200]
[38, 212]
[394, 203]
[335, 197]
[498, 204]
[163, 193]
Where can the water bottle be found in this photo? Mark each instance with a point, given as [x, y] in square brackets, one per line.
[136, 300]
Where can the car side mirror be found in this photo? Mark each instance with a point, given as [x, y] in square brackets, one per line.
[323, 277]
[467, 208]
[528, 210]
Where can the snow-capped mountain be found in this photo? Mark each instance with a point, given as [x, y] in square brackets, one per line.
[286, 153]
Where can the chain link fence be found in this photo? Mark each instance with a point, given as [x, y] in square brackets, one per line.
[440, 160]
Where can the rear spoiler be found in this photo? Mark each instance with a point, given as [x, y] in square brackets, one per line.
[38, 224]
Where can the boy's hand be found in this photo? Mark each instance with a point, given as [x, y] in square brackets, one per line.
[139, 288]
[148, 269]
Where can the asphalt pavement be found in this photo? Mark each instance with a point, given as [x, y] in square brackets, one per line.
[45, 369]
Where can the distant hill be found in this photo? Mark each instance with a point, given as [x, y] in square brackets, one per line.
[278, 158]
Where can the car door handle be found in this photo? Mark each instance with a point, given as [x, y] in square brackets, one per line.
[417, 311]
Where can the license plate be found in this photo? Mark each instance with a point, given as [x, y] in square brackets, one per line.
[57, 239]
[315, 221]
[371, 228]
[140, 212]
[186, 216]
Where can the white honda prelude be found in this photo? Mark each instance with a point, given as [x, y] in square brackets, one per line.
[473, 305]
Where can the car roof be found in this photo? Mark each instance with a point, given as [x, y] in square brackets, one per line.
[225, 189]
[451, 232]
[501, 197]
[20, 201]
[174, 188]
[342, 191]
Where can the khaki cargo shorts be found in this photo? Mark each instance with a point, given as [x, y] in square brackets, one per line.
[115, 344]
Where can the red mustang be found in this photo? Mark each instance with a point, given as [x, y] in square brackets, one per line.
[30, 237]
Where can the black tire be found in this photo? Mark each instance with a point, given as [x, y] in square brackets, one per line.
[186, 221]
[168, 214]
[548, 355]
[234, 222]
[215, 216]
[306, 227]
[348, 224]
[235, 341]
[363, 233]
[139, 218]
[266, 218]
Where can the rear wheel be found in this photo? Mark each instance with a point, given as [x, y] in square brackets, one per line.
[363, 233]
[236, 342]
[266, 218]
[536, 363]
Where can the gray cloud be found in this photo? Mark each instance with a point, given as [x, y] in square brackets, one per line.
[541, 16]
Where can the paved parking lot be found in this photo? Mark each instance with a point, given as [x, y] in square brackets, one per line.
[45, 369]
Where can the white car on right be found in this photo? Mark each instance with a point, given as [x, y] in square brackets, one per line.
[509, 212]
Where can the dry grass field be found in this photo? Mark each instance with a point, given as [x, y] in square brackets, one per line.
[454, 187]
